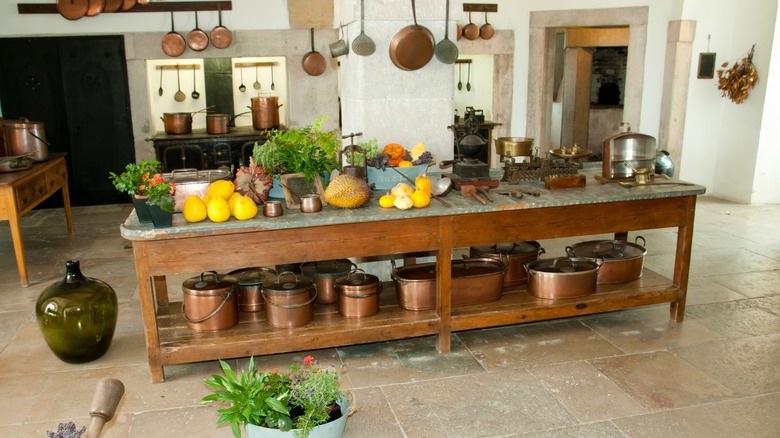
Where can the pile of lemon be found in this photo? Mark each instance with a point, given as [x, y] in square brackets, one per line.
[219, 204]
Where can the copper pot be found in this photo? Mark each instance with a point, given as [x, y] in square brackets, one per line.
[562, 277]
[220, 123]
[474, 281]
[515, 255]
[265, 112]
[177, 123]
[23, 137]
[412, 47]
[358, 294]
[324, 274]
[250, 287]
[313, 62]
[289, 302]
[622, 261]
[209, 302]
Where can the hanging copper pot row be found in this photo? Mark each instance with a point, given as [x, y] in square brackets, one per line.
[174, 43]
[75, 9]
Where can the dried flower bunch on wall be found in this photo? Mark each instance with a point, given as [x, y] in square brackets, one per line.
[736, 82]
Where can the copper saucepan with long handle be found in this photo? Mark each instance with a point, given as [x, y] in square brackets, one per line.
[197, 39]
[412, 47]
[313, 62]
[173, 43]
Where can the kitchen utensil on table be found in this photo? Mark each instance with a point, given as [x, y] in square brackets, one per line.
[197, 39]
[470, 31]
[469, 190]
[441, 187]
[195, 94]
[363, 45]
[95, 7]
[446, 51]
[468, 78]
[24, 137]
[256, 85]
[460, 74]
[313, 62]
[603, 180]
[242, 87]
[642, 175]
[487, 31]
[311, 203]
[412, 47]
[160, 90]
[433, 195]
[173, 43]
[273, 85]
[508, 192]
[179, 96]
[514, 146]
[340, 47]
[72, 9]
[221, 37]
[485, 191]
[667, 183]
[272, 209]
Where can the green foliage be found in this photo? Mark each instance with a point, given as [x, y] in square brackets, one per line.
[371, 147]
[300, 399]
[131, 179]
[158, 191]
[307, 150]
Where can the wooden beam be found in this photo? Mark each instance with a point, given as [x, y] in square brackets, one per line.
[51, 8]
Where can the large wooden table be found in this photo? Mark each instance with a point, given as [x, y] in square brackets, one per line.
[22, 191]
[372, 231]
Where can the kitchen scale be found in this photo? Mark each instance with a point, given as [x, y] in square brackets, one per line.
[466, 168]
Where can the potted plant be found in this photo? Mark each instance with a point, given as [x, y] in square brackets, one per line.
[308, 150]
[159, 198]
[131, 182]
[305, 401]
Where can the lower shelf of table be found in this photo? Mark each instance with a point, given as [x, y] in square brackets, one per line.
[253, 336]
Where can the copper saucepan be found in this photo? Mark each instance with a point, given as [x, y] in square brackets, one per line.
[313, 62]
[221, 123]
[197, 39]
[221, 37]
[412, 47]
[173, 43]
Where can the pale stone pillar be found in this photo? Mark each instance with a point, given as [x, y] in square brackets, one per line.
[578, 62]
[677, 70]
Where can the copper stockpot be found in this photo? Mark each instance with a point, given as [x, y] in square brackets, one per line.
[324, 274]
[23, 137]
[515, 255]
[177, 123]
[265, 112]
[209, 302]
[474, 281]
[623, 261]
[221, 123]
[289, 303]
[250, 287]
[358, 294]
[562, 277]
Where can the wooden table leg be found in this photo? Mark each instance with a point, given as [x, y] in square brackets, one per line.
[66, 203]
[682, 263]
[444, 285]
[16, 237]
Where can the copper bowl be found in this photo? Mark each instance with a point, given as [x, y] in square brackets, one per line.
[514, 146]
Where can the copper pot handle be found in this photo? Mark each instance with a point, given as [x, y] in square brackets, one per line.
[291, 306]
[211, 315]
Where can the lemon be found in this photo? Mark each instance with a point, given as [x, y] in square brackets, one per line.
[222, 188]
[244, 208]
[206, 199]
[194, 209]
[218, 209]
[232, 201]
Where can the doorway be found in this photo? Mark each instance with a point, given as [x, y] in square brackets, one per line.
[544, 26]
[77, 87]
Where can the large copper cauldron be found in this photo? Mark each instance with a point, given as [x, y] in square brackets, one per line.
[210, 302]
[265, 112]
[23, 137]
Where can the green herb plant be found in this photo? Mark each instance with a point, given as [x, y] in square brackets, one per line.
[308, 150]
[300, 399]
[130, 181]
[158, 191]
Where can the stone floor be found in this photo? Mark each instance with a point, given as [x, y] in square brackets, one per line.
[631, 373]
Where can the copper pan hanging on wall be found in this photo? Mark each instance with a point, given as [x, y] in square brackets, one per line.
[173, 43]
[221, 37]
[412, 47]
[197, 39]
[72, 9]
[313, 62]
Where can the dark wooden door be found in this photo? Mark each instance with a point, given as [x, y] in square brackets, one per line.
[76, 86]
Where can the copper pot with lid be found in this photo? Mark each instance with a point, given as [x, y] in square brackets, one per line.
[358, 294]
[324, 273]
[209, 302]
[250, 287]
[515, 255]
[288, 300]
[622, 261]
[562, 277]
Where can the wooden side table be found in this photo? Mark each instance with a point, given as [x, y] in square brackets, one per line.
[22, 191]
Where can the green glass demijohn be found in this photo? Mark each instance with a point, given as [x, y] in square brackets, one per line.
[77, 316]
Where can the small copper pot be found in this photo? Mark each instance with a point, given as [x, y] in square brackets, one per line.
[177, 123]
[324, 273]
[250, 287]
[209, 302]
[358, 294]
[289, 303]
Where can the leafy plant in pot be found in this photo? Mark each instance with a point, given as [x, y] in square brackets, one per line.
[159, 198]
[296, 402]
[131, 182]
[308, 150]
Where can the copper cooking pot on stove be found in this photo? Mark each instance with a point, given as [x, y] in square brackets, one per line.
[221, 123]
[179, 123]
[265, 112]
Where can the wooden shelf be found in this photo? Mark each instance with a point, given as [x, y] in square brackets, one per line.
[51, 8]
[480, 7]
